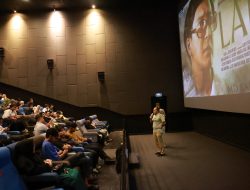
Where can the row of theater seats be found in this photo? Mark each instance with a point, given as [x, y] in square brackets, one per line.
[102, 127]
[9, 176]
[10, 179]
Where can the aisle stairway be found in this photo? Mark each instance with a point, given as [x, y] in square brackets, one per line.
[108, 178]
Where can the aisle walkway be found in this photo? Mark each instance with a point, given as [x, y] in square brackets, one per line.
[108, 179]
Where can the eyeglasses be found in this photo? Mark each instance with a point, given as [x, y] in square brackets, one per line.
[205, 23]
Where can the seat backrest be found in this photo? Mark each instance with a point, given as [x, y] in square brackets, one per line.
[24, 147]
[88, 134]
[93, 117]
[83, 129]
[19, 150]
[9, 176]
[37, 143]
[80, 122]
[11, 147]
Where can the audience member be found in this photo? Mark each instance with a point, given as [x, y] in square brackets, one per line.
[50, 151]
[41, 126]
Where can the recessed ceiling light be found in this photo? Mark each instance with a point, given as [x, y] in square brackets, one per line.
[14, 11]
[93, 6]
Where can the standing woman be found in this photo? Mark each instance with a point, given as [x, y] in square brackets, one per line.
[158, 121]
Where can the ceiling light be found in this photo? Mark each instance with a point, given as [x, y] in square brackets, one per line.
[14, 11]
[93, 6]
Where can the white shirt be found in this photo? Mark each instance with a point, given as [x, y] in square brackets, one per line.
[40, 128]
[8, 113]
[158, 121]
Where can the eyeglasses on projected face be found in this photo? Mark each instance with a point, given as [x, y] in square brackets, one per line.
[209, 23]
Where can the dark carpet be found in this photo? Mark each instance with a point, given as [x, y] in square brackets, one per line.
[192, 162]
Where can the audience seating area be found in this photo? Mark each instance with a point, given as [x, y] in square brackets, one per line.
[24, 127]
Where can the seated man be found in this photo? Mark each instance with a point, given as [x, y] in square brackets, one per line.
[14, 121]
[21, 109]
[11, 112]
[41, 126]
[30, 164]
[59, 117]
[89, 124]
[86, 143]
[50, 151]
[65, 140]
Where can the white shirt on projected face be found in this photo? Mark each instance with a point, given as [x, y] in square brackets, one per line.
[218, 88]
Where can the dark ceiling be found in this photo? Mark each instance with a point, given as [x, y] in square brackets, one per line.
[31, 5]
[27, 5]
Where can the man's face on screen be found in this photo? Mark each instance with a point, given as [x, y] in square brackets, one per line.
[199, 43]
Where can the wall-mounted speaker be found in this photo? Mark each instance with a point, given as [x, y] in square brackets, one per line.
[1, 52]
[50, 64]
[101, 76]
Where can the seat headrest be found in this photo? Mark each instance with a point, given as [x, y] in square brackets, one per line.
[24, 147]
[80, 122]
[28, 146]
[38, 141]
[83, 129]
[93, 117]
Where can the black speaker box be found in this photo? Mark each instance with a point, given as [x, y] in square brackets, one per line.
[1, 52]
[101, 76]
[50, 63]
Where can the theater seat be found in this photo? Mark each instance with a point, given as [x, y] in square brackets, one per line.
[9, 176]
[46, 180]
[99, 124]
[92, 133]
[28, 147]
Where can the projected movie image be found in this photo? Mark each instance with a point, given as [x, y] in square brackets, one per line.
[215, 47]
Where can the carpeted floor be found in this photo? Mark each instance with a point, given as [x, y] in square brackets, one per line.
[193, 162]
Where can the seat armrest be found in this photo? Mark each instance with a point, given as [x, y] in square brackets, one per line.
[88, 133]
[93, 136]
[93, 116]
[61, 162]
[43, 180]
[44, 177]
[13, 132]
[80, 122]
